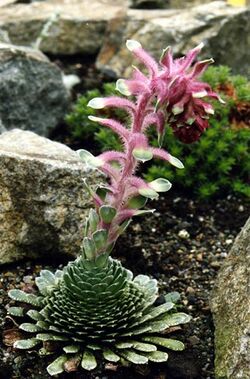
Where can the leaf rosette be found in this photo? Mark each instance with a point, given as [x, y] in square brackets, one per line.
[95, 310]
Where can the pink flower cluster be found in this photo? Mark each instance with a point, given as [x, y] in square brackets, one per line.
[179, 93]
[170, 94]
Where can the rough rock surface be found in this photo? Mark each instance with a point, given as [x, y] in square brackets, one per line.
[80, 27]
[83, 27]
[32, 93]
[230, 304]
[42, 198]
[2, 127]
[224, 30]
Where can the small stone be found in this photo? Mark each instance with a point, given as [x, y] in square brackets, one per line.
[215, 264]
[199, 257]
[11, 335]
[229, 241]
[223, 255]
[111, 367]
[241, 208]
[18, 360]
[190, 290]
[183, 234]
[27, 279]
[72, 364]
[193, 340]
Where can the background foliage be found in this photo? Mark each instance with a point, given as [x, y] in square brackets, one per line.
[217, 164]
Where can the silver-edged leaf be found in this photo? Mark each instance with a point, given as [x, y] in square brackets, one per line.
[100, 238]
[31, 328]
[88, 361]
[51, 337]
[173, 297]
[110, 356]
[177, 318]
[124, 345]
[157, 356]
[57, 366]
[165, 342]
[19, 295]
[35, 315]
[142, 346]
[107, 213]
[160, 185]
[26, 344]
[16, 311]
[71, 349]
[133, 357]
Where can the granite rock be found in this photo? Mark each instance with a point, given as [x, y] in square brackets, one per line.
[230, 305]
[43, 202]
[32, 93]
[79, 25]
[224, 30]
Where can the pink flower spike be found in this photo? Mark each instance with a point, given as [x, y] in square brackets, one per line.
[124, 215]
[151, 119]
[137, 87]
[216, 96]
[186, 62]
[200, 67]
[167, 59]
[149, 62]
[200, 94]
[208, 108]
[129, 213]
[137, 182]
[110, 171]
[115, 101]
[162, 154]
[138, 75]
[109, 156]
[116, 126]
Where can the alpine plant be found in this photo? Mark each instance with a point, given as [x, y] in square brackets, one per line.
[94, 309]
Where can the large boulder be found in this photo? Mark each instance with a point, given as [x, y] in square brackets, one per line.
[43, 202]
[32, 93]
[224, 30]
[230, 304]
[79, 25]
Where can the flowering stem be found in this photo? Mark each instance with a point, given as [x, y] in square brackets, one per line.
[179, 98]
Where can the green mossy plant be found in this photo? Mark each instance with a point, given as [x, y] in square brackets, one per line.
[216, 165]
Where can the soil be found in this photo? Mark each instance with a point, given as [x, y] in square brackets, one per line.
[182, 245]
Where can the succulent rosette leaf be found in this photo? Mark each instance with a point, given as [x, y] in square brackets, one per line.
[94, 309]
